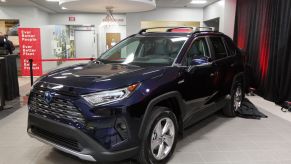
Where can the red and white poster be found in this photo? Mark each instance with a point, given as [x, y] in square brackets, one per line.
[30, 48]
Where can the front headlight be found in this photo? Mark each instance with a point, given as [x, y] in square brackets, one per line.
[106, 97]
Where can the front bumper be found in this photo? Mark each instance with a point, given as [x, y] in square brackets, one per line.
[73, 141]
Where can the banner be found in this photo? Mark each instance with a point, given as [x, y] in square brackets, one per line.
[30, 48]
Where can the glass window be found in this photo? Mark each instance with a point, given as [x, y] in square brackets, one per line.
[219, 48]
[145, 51]
[231, 46]
[198, 50]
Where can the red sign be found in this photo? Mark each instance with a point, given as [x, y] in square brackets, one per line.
[72, 19]
[30, 48]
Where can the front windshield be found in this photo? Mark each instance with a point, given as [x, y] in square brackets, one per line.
[146, 51]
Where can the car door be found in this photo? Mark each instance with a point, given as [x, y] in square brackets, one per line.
[198, 75]
[234, 61]
[221, 65]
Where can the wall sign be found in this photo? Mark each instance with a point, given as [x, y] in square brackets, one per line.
[30, 48]
[72, 19]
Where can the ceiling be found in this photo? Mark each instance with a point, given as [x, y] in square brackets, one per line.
[118, 6]
[182, 3]
[53, 7]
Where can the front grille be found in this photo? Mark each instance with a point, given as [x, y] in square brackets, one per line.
[57, 139]
[58, 108]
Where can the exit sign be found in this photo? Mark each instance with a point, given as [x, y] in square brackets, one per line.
[72, 19]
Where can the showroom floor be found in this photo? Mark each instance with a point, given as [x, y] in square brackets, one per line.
[214, 140]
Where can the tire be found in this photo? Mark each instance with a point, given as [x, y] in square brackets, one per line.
[149, 151]
[235, 100]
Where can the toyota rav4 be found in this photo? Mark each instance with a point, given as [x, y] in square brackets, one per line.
[139, 96]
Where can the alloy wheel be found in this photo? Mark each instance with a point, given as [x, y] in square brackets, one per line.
[162, 138]
[237, 100]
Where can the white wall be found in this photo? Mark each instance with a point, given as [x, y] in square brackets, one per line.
[225, 10]
[28, 16]
[229, 17]
[162, 14]
[215, 10]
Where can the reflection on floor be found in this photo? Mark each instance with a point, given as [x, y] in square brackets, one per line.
[24, 88]
[214, 140]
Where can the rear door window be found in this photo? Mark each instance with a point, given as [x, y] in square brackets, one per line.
[231, 47]
[218, 47]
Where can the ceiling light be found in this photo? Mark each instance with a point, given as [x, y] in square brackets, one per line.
[198, 2]
[63, 8]
[53, 0]
[221, 2]
[3, 1]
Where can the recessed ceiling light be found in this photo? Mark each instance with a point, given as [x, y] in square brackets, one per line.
[53, 0]
[198, 2]
[221, 2]
[3, 1]
[63, 8]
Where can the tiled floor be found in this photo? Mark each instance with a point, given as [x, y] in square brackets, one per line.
[216, 140]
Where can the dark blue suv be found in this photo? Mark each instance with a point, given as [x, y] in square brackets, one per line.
[136, 99]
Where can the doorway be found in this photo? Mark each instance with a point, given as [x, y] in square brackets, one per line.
[85, 44]
[112, 39]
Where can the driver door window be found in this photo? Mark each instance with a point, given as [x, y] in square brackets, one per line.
[198, 50]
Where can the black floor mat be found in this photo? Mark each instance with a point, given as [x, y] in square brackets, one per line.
[249, 110]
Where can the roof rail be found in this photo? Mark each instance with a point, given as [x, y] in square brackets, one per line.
[169, 29]
[198, 29]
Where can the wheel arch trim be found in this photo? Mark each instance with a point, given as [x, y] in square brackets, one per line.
[173, 94]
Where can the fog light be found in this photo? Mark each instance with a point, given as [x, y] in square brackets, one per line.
[121, 128]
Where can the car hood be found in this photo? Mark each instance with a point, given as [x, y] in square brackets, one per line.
[98, 77]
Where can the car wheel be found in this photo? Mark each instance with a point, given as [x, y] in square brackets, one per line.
[160, 138]
[235, 101]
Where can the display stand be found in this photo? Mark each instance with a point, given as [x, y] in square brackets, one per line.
[2, 98]
[10, 77]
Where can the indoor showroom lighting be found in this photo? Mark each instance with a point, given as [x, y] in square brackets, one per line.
[198, 2]
[63, 8]
[3, 1]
